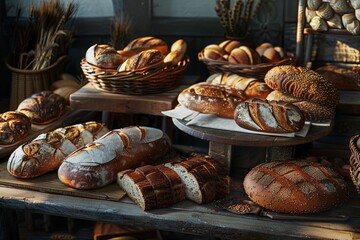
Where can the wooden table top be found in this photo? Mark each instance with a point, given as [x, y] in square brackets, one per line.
[90, 98]
[250, 140]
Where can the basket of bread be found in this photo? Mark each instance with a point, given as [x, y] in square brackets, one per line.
[232, 56]
[354, 146]
[145, 66]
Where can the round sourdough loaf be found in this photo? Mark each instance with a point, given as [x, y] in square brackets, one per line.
[295, 186]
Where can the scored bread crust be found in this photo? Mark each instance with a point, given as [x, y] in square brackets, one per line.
[14, 126]
[144, 43]
[303, 83]
[211, 99]
[295, 186]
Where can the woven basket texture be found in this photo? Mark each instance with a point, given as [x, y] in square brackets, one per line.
[355, 162]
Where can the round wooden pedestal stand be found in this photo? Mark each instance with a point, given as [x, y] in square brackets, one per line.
[221, 142]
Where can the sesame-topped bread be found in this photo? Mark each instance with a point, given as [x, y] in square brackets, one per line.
[303, 83]
[295, 186]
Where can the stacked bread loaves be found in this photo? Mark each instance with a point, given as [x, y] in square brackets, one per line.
[139, 53]
[14, 126]
[335, 14]
[315, 96]
[342, 78]
[197, 178]
[295, 186]
[46, 152]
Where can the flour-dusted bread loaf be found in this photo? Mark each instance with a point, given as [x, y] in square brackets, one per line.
[295, 186]
[141, 60]
[303, 83]
[269, 116]
[104, 56]
[47, 151]
[313, 112]
[44, 107]
[97, 164]
[220, 100]
[251, 86]
[152, 186]
[144, 43]
[205, 180]
[14, 126]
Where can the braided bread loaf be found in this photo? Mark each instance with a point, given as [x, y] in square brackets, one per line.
[46, 152]
[14, 126]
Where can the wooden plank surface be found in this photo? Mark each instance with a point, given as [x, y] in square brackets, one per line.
[186, 216]
[90, 98]
[51, 184]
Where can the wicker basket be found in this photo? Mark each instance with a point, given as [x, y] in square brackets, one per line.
[355, 162]
[152, 79]
[258, 70]
[26, 82]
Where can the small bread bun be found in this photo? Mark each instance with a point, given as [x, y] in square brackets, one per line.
[229, 45]
[177, 53]
[141, 60]
[262, 47]
[103, 56]
[214, 52]
[244, 55]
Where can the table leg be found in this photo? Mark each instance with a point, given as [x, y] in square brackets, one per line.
[221, 152]
[107, 118]
[279, 153]
[8, 224]
[167, 126]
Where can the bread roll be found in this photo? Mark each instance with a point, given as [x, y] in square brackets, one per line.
[144, 43]
[177, 52]
[295, 186]
[214, 52]
[97, 164]
[244, 55]
[204, 179]
[251, 86]
[303, 83]
[152, 186]
[270, 53]
[203, 97]
[269, 116]
[103, 56]
[43, 108]
[14, 126]
[141, 60]
[229, 45]
[313, 112]
[341, 6]
[47, 151]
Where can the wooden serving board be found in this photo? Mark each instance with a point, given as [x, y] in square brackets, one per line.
[51, 184]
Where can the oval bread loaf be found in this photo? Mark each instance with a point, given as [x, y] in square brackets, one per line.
[97, 164]
[211, 99]
[145, 43]
[46, 152]
[269, 116]
[295, 186]
[141, 60]
[103, 56]
[14, 126]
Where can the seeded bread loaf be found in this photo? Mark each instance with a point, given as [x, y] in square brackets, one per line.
[295, 186]
[152, 186]
[205, 180]
[14, 126]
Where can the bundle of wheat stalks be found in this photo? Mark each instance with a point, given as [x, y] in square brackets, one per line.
[44, 37]
[236, 19]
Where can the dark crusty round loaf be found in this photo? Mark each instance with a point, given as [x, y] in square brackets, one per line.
[152, 186]
[303, 83]
[312, 111]
[220, 100]
[205, 180]
[295, 186]
[14, 126]
[269, 116]
[43, 107]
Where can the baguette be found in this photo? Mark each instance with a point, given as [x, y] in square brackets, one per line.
[96, 164]
[269, 116]
[204, 181]
[46, 152]
[220, 100]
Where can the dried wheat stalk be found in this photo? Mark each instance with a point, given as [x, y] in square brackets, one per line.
[120, 31]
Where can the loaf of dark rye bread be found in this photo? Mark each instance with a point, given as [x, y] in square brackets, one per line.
[204, 178]
[295, 186]
[152, 186]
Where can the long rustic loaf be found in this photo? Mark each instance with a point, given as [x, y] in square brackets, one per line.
[295, 186]
[144, 43]
[220, 100]
[141, 60]
[152, 186]
[205, 180]
[14, 126]
[303, 83]
[46, 152]
[96, 164]
[269, 116]
[251, 86]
